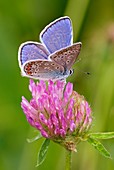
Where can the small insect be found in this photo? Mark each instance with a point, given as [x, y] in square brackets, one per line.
[54, 56]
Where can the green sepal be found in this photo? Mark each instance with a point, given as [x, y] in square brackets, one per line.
[43, 151]
[39, 136]
[104, 135]
[99, 147]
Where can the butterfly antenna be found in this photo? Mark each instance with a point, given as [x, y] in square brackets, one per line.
[85, 72]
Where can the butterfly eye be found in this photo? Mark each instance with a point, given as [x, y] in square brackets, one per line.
[71, 72]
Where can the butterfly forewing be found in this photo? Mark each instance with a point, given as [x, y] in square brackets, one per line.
[32, 51]
[67, 56]
[57, 34]
[40, 69]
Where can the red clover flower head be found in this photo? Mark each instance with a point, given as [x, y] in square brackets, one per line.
[58, 112]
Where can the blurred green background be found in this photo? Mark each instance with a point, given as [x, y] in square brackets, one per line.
[93, 25]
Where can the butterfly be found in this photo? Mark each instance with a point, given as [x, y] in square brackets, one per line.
[54, 56]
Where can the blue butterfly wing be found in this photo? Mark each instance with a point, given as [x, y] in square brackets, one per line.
[57, 35]
[31, 51]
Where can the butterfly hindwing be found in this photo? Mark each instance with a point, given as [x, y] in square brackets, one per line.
[42, 69]
[31, 51]
[57, 35]
[67, 56]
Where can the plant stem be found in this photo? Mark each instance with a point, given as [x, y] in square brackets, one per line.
[68, 160]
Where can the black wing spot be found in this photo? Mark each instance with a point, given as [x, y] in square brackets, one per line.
[57, 68]
[68, 61]
[65, 54]
[69, 52]
[55, 56]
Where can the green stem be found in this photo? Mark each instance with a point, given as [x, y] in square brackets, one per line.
[68, 160]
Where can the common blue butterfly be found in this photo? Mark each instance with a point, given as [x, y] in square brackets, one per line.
[54, 56]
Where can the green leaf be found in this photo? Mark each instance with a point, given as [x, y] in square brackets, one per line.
[43, 151]
[105, 135]
[98, 146]
[35, 138]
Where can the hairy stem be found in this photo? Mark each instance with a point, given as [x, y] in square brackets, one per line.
[68, 160]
